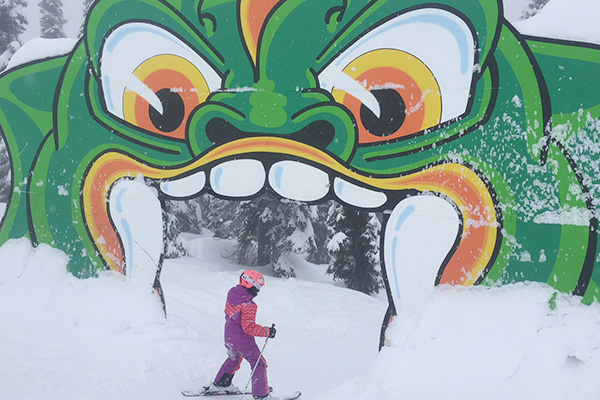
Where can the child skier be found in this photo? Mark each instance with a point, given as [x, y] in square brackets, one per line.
[240, 330]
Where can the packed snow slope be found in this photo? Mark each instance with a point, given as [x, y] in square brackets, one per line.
[107, 338]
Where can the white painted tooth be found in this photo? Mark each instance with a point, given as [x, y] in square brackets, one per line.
[187, 186]
[358, 196]
[137, 216]
[238, 178]
[297, 181]
[419, 233]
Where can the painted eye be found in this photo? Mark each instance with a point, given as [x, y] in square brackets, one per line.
[412, 73]
[406, 93]
[153, 80]
[175, 87]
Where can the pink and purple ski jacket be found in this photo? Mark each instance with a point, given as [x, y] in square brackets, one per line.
[240, 318]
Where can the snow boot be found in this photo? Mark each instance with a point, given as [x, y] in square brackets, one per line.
[223, 386]
[267, 397]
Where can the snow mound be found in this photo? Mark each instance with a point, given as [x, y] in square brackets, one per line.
[36, 279]
[39, 48]
[63, 337]
[492, 343]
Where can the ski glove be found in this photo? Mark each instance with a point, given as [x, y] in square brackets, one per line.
[272, 332]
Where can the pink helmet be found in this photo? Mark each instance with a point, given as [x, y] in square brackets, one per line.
[252, 280]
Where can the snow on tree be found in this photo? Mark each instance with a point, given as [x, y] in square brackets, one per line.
[181, 216]
[294, 234]
[188, 213]
[194, 215]
[322, 233]
[354, 247]
[218, 215]
[175, 247]
[269, 229]
[8, 53]
[12, 25]
[533, 8]
[52, 20]
[5, 172]
[86, 8]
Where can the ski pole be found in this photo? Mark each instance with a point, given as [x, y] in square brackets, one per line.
[255, 365]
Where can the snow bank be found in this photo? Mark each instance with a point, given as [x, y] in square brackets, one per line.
[475, 343]
[65, 338]
[39, 48]
[36, 279]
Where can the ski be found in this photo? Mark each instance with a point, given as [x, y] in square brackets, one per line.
[293, 396]
[203, 392]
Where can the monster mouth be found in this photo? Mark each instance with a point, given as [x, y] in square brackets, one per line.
[123, 197]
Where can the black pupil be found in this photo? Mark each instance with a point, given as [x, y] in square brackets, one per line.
[173, 111]
[393, 113]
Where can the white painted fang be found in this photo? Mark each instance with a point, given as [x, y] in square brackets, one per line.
[419, 233]
[137, 216]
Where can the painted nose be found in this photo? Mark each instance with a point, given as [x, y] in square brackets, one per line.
[326, 127]
[319, 134]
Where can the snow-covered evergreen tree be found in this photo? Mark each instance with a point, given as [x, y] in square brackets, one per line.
[174, 247]
[217, 215]
[85, 7]
[270, 229]
[12, 25]
[533, 8]
[8, 53]
[293, 234]
[52, 20]
[354, 247]
[5, 172]
[319, 215]
[173, 213]
[188, 214]
[248, 227]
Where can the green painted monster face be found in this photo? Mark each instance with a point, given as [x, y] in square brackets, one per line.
[440, 115]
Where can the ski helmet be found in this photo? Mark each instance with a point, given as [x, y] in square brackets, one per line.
[252, 280]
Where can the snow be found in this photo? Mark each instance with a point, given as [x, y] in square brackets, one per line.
[336, 241]
[565, 19]
[107, 337]
[487, 343]
[39, 48]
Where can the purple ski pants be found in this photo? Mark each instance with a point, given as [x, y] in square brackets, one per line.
[250, 353]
